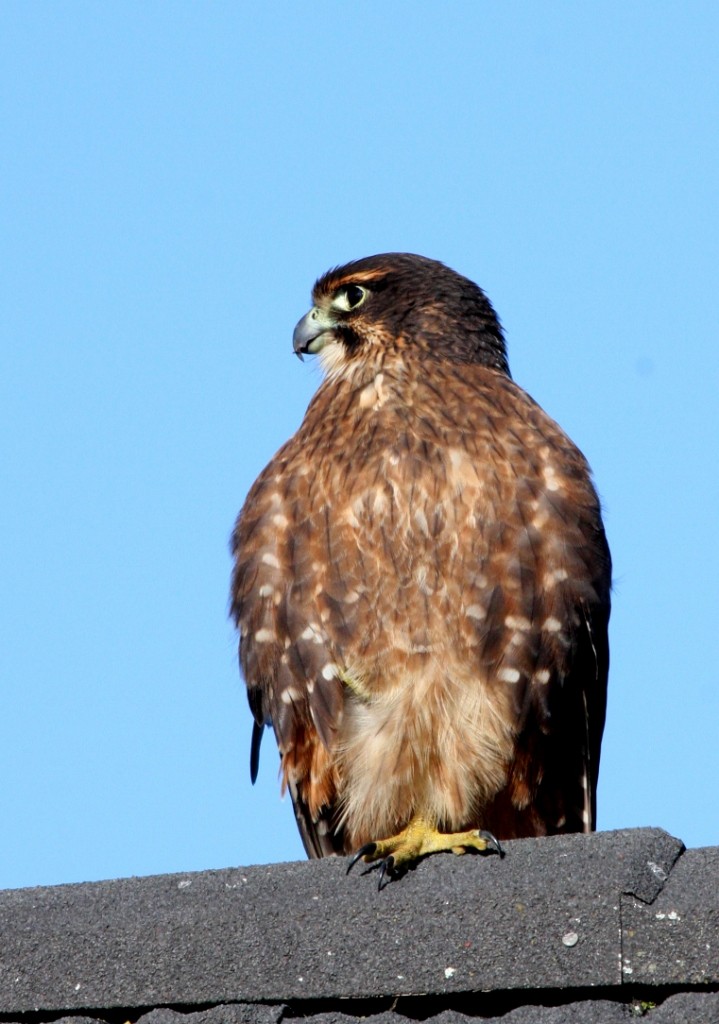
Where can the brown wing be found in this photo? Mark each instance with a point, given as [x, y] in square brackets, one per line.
[284, 652]
[549, 626]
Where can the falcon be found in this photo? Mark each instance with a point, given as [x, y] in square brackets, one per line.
[422, 584]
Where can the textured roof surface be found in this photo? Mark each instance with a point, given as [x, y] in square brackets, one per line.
[583, 924]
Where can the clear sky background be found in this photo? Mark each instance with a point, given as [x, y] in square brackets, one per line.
[174, 177]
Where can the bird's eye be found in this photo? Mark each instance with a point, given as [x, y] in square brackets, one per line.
[355, 295]
[350, 297]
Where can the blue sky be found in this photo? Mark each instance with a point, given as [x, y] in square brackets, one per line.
[174, 177]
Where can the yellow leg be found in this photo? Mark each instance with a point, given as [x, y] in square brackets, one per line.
[417, 840]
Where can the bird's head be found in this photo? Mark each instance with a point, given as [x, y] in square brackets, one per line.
[403, 303]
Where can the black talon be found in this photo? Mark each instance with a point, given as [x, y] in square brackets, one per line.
[368, 848]
[491, 841]
[385, 873]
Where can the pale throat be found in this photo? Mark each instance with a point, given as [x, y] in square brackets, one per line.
[338, 365]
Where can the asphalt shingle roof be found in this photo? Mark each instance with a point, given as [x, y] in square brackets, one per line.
[563, 929]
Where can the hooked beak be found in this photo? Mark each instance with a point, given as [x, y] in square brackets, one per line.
[312, 332]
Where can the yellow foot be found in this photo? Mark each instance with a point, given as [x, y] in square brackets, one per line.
[394, 855]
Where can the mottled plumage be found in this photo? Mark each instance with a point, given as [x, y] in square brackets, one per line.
[422, 578]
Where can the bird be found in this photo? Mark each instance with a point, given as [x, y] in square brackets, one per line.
[421, 584]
